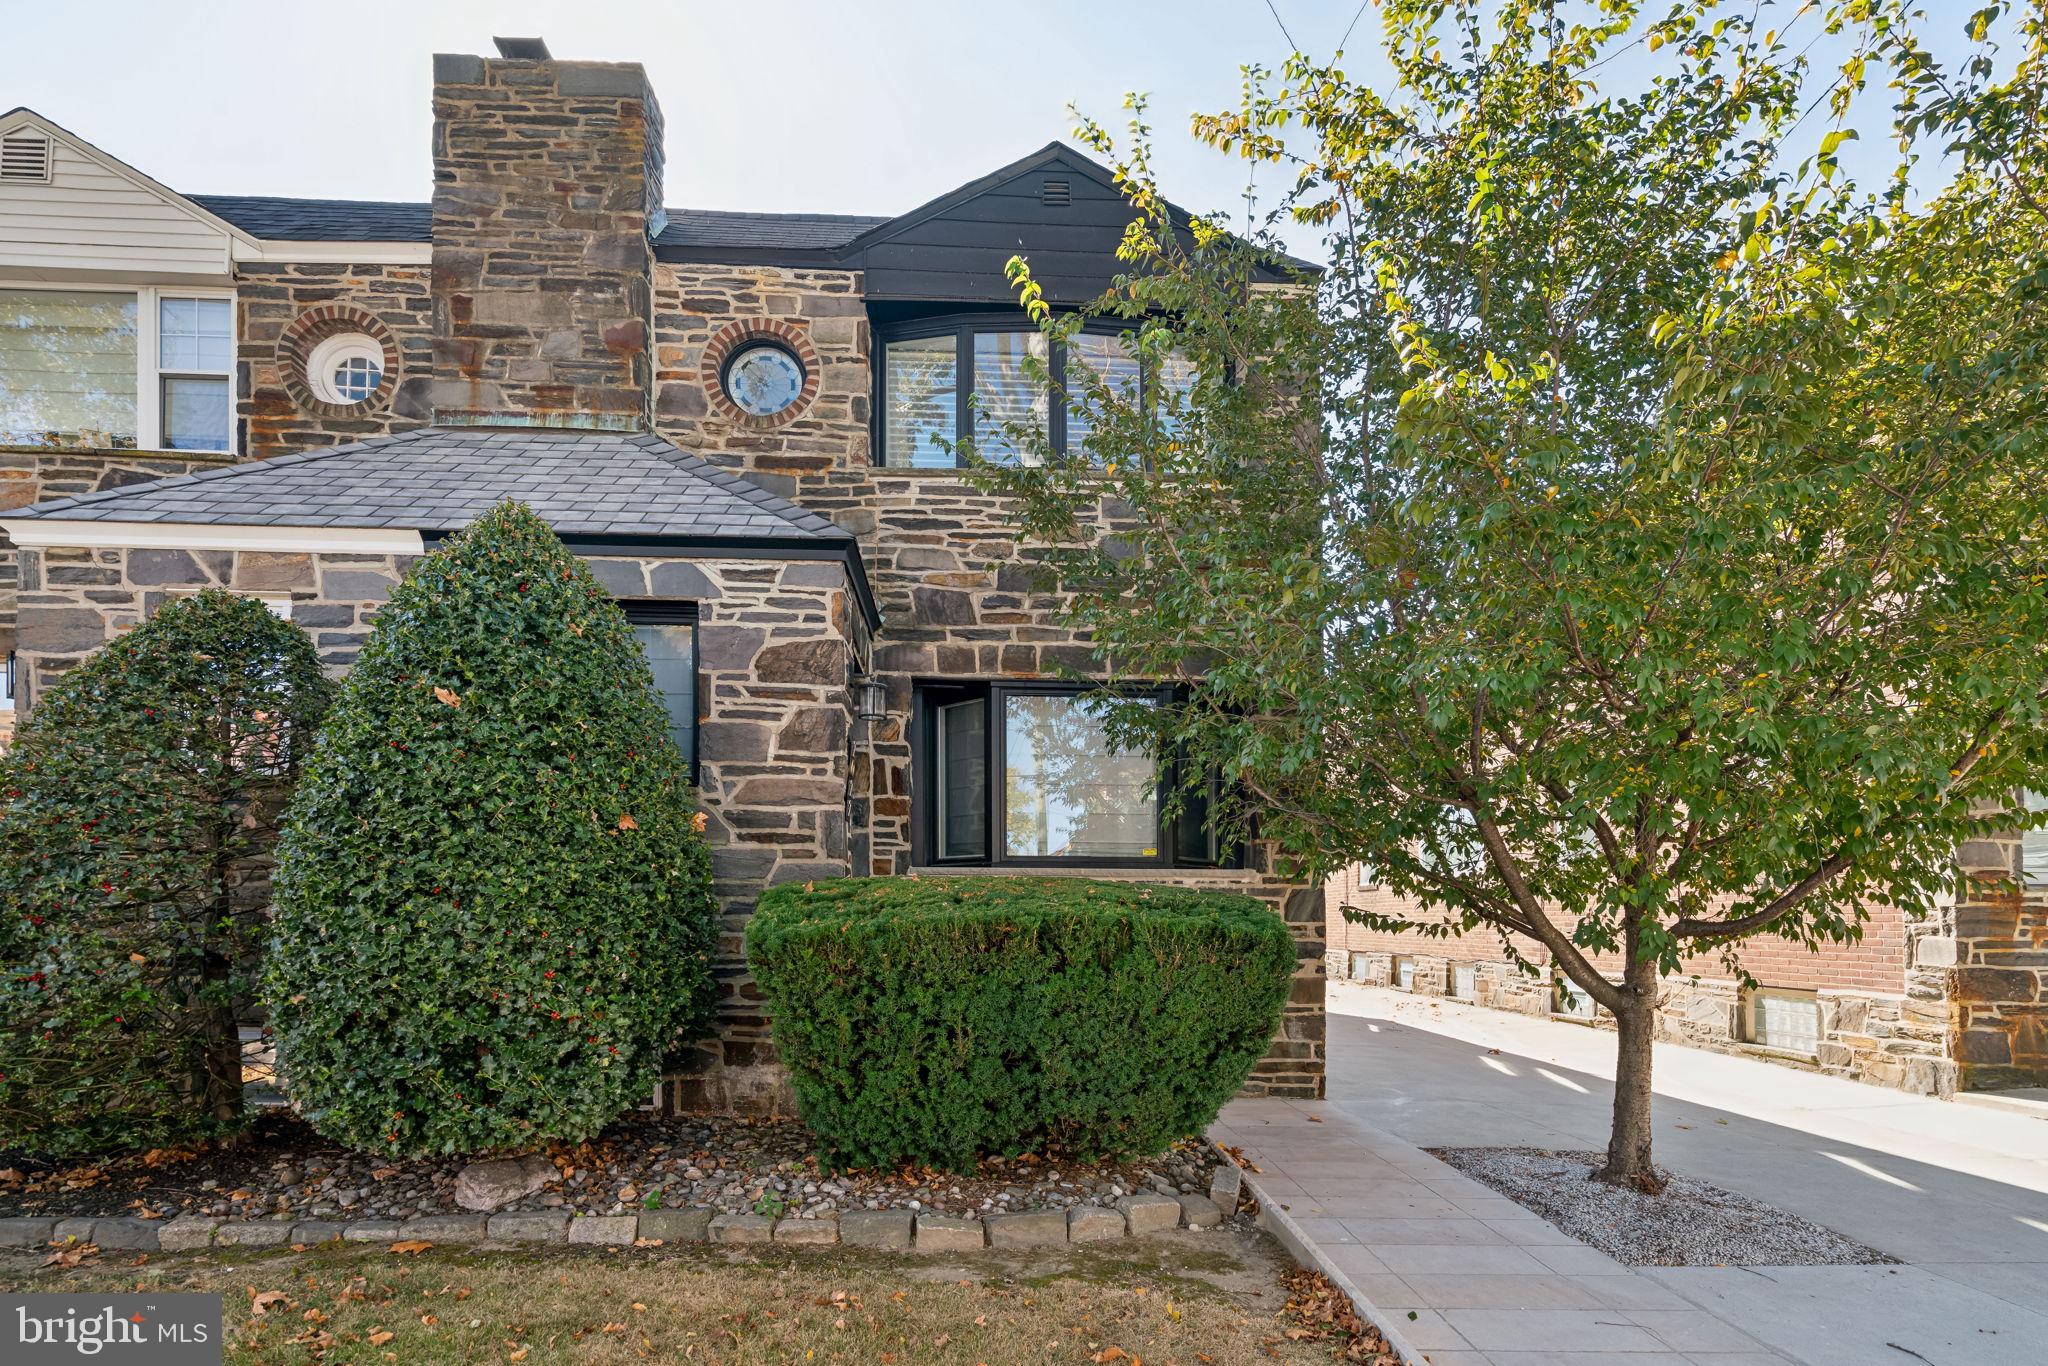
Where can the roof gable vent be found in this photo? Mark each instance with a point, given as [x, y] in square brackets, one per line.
[1055, 194]
[25, 157]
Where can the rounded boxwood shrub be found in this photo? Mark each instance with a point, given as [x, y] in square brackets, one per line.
[138, 813]
[940, 1020]
[494, 899]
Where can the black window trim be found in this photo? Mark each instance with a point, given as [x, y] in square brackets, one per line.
[677, 612]
[963, 327]
[929, 694]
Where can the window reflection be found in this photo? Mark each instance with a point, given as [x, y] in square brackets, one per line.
[1067, 792]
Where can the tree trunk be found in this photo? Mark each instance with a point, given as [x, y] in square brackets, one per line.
[1628, 1141]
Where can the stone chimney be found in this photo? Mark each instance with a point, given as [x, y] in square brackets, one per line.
[547, 189]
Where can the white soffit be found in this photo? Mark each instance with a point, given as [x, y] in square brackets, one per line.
[44, 532]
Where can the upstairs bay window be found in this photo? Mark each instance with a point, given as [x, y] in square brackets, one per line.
[116, 370]
[949, 380]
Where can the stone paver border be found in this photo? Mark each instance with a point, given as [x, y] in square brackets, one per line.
[899, 1230]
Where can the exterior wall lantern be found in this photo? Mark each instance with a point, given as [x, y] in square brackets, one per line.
[871, 698]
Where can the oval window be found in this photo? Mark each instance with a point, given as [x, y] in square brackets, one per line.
[347, 369]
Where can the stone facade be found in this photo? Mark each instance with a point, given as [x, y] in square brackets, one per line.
[1994, 957]
[959, 597]
[544, 305]
[284, 309]
[546, 176]
[777, 643]
[30, 474]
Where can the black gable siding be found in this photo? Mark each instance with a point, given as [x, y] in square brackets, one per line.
[958, 252]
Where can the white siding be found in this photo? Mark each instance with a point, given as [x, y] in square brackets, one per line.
[90, 219]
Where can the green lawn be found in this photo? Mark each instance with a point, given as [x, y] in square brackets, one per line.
[1207, 1300]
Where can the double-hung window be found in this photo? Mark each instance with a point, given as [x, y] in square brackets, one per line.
[667, 631]
[148, 369]
[955, 379]
[1026, 773]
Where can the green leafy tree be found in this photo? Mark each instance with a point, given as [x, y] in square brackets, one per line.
[494, 899]
[138, 812]
[1629, 544]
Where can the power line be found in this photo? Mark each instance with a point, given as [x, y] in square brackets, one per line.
[1283, 26]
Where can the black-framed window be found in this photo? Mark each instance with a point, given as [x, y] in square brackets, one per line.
[667, 631]
[1024, 773]
[944, 380]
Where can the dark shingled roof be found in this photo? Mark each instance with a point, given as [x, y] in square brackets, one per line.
[321, 220]
[367, 220]
[437, 479]
[763, 231]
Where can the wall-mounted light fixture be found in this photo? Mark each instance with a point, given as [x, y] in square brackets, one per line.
[870, 698]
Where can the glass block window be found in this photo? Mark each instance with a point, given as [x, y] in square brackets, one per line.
[1784, 1019]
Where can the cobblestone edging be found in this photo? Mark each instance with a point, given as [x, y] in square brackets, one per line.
[897, 1230]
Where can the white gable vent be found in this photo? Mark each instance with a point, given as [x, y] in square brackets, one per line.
[25, 157]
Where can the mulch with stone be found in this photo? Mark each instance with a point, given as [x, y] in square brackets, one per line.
[1691, 1224]
[282, 1169]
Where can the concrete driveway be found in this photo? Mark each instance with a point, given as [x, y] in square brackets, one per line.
[1956, 1191]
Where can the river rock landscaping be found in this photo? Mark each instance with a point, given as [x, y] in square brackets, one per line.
[1693, 1223]
[283, 1171]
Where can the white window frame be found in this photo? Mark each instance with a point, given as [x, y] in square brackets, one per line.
[149, 370]
[1396, 966]
[330, 353]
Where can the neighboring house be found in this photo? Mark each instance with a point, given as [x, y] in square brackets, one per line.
[1955, 999]
[735, 418]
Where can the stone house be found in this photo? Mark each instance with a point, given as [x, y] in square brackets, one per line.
[741, 421]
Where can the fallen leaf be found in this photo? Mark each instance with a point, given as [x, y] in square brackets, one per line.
[138, 958]
[1315, 1119]
[260, 1304]
[519, 1355]
[411, 1246]
[381, 1336]
[447, 698]
[628, 823]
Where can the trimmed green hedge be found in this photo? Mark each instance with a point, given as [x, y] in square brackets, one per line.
[494, 912]
[138, 811]
[939, 1020]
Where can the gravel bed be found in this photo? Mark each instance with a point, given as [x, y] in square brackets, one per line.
[282, 1169]
[1690, 1224]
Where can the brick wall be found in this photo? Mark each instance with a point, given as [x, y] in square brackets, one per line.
[1885, 1015]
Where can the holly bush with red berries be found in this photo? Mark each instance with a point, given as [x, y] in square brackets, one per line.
[494, 898]
[139, 810]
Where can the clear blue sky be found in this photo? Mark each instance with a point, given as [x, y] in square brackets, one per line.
[847, 106]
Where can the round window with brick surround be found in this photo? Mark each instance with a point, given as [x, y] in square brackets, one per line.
[763, 379]
[760, 373]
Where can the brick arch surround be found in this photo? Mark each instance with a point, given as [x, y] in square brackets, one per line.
[729, 339]
[295, 346]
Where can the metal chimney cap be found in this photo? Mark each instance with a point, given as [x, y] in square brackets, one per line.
[524, 49]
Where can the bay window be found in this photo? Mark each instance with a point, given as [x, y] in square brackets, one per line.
[1027, 773]
[955, 378]
[116, 370]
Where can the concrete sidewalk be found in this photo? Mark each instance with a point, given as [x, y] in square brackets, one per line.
[1958, 1193]
[1454, 1274]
